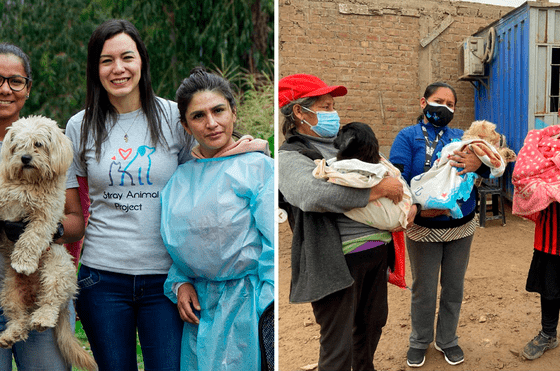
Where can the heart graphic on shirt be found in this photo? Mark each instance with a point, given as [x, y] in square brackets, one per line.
[125, 153]
[113, 158]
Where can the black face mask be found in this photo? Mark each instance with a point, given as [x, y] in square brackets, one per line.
[438, 115]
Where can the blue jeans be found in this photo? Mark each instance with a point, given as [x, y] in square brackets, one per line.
[38, 352]
[113, 306]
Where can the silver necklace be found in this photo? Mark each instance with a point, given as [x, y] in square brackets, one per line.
[130, 127]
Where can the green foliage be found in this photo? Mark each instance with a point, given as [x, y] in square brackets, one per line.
[256, 108]
[55, 38]
[179, 35]
[254, 94]
[183, 34]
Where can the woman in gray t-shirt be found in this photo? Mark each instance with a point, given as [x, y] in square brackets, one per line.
[128, 143]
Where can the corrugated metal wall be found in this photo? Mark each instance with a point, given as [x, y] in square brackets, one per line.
[504, 97]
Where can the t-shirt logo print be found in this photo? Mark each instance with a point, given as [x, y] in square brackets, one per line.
[125, 153]
[140, 162]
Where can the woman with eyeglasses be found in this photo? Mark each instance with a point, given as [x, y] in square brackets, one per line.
[40, 350]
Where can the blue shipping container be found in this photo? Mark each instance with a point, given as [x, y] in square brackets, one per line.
[520, 88]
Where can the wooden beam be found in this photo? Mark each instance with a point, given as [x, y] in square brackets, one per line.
[435, 33]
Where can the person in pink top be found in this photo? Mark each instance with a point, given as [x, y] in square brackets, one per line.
[536, 180]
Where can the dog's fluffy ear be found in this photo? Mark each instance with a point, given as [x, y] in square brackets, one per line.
[59, 147]
[5, 152]
[6, 145]
[345, 142]
[480, 129]
[60, 151]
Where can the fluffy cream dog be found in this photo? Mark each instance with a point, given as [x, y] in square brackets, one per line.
[40, 275]
[487, 131]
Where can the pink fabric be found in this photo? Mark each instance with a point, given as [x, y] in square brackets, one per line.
[245, 144]
[75, 248]
[536, 177]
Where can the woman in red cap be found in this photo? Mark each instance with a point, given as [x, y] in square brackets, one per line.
[348, 292]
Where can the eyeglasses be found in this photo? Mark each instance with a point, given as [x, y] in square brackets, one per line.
[16, 83]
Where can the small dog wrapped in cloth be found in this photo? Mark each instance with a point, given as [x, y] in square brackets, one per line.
[442, 188]
[40, 276]
[358, 164]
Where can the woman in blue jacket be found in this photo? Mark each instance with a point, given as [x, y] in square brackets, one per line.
[218, 226]
[436, 241]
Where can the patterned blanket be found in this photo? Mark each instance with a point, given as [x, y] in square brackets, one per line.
[536, 177]
[442, 188]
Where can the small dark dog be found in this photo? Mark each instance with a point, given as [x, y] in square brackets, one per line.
[357, 140]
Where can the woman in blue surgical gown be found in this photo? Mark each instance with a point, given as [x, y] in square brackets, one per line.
[218, 226]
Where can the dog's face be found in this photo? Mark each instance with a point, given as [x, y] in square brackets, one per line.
[357, 140]
[484, 130]
[35, 149]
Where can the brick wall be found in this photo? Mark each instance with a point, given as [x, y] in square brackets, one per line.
[373, 48]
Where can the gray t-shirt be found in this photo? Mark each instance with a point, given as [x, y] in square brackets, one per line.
[123, 232]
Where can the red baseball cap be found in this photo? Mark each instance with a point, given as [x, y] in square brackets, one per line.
[298, 86]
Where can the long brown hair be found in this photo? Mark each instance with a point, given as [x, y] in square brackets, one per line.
[98, 108]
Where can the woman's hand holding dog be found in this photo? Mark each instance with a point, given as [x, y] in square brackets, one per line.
[465, 160]
[432, 213]
[187, 299]
[409, 219]
[389, 187]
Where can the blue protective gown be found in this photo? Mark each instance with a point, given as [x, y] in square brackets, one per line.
[218, 226]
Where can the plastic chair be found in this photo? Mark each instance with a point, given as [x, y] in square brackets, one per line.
[266, 338]
[497, 194]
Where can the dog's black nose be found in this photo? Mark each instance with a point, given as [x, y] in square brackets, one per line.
[26, 159]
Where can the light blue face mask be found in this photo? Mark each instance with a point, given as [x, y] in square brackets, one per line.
[328, 123]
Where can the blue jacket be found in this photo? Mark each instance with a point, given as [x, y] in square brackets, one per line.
[408, 153]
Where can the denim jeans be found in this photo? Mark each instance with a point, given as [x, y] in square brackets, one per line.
[38, 352]
[113, 306]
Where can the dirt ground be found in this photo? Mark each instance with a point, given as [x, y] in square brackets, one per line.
[498, 316]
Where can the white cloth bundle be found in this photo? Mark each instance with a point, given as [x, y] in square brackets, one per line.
[381, 213]
[442, 188]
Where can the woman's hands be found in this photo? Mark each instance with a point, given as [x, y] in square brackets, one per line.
[432, 213]
[187, 299]
[409, 219]
[465, 160]
[389, 187]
